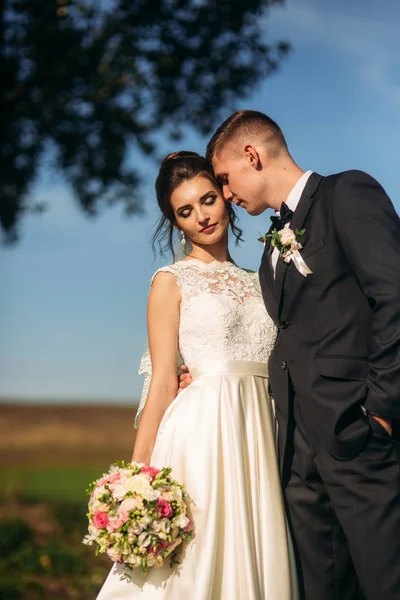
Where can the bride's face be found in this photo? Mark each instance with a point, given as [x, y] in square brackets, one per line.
[200, 211]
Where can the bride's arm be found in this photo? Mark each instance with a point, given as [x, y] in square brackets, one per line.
[163, 328]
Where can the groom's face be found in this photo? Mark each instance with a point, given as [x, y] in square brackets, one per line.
[241, 182]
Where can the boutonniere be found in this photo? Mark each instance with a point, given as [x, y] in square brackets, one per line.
[288, 243]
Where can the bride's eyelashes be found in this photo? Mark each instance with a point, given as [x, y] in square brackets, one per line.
[186, 212]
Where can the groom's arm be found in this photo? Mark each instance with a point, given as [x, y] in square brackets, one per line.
[368, 228]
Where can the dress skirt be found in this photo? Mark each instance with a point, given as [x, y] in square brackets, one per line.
[219, 437]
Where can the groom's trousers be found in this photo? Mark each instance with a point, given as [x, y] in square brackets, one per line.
[344, 517]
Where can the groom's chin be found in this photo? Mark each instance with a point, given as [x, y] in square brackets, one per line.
[254, 211]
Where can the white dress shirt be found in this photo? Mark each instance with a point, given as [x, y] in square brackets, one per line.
[292, 202]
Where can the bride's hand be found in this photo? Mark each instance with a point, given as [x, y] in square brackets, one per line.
[185, 378]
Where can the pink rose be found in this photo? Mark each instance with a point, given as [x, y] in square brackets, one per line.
[114, 477]
[100, 519]
[164, 508]
[114, 524]
[128, 504]
[123, 515]
[117, 522]
[109, 479]
[151, 471]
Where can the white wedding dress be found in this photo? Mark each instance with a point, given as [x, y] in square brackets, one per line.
[219, 437]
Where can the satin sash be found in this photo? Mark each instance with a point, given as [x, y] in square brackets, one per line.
[229, 367]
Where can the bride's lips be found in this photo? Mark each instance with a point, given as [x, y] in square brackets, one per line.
[209, 228]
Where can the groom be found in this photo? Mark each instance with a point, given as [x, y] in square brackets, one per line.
[335, 368]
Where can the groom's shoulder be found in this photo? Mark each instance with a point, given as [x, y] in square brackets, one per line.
[348, 177]
[349, 181]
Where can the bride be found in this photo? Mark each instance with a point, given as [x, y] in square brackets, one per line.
[219, 434]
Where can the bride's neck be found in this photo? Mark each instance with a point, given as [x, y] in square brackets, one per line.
[209, 254]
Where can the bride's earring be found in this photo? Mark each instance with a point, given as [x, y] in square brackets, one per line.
[183, 239]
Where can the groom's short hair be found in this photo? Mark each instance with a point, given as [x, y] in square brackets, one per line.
[247, 124]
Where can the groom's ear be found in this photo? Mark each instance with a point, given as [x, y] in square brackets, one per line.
[252, 156]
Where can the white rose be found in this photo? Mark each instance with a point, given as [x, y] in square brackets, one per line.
[287, 236]
[145, 521]
[140, 484]
[177, 494]
[114, 554]
[136, 529]
[120, 489]
[102, 506]
[99, 491]
[133, 559]
[165, 525]
[144, 539]
[181, 521]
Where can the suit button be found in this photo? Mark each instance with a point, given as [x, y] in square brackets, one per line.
[283, 365]
[283, 324]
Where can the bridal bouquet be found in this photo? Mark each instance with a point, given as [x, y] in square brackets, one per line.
[138, 516]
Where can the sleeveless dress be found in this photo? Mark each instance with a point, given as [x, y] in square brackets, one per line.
[219, 438]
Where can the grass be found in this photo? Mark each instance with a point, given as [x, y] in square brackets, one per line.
[48, 456]
[41, 552]
[48, 484]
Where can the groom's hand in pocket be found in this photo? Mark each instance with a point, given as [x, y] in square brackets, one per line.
[385, 423]
[185, 378]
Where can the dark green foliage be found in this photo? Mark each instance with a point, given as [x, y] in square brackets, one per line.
[42, 566]
[25, 559]
[58, 560]
[71, 516]
[14, 533]
[10, 588]
[86, 83]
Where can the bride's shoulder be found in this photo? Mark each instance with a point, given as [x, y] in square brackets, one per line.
[174, 269]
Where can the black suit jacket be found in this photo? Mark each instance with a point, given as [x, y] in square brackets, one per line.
[338, 346]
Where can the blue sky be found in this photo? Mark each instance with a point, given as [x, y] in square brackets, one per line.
[73, 292]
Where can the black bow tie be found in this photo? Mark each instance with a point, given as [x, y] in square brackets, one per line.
[286, 215]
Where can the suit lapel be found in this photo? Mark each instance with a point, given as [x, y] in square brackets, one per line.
[300, 215]
[267, 278]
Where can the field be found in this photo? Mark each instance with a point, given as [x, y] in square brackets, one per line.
[48, 455]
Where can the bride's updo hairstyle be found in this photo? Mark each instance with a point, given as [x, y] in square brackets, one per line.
[175, 169]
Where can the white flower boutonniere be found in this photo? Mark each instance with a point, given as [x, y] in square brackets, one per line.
[288, 243]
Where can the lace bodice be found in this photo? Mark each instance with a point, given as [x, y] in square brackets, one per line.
[222, 315]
